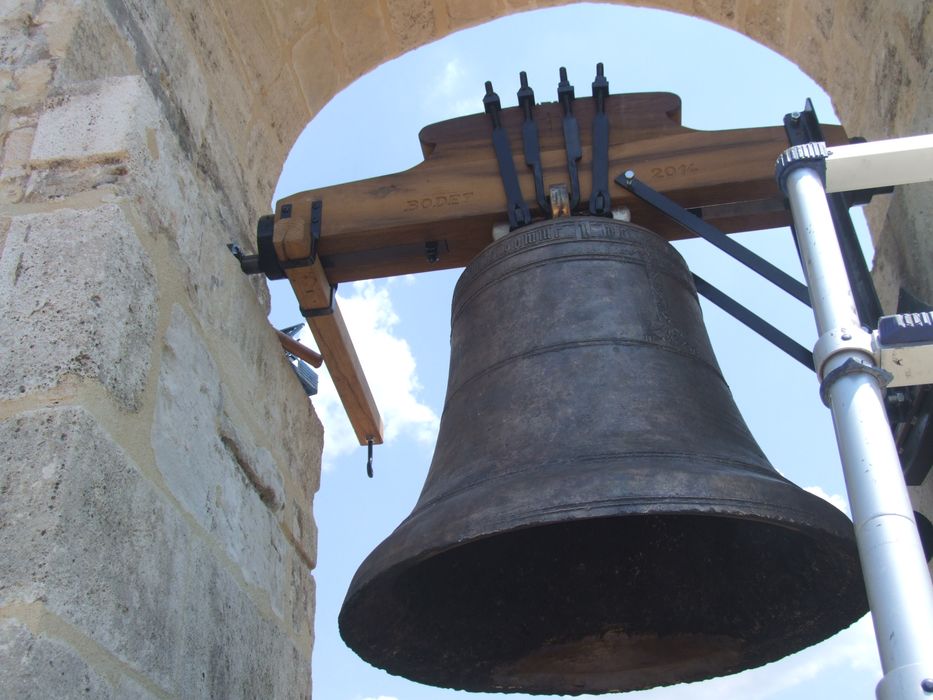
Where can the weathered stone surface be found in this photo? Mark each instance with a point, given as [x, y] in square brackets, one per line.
[87, 43]
[767, 22]
[251, 28]
[38, 667]
[904, 253]
[248, 659]
[318, 84]
[361, 30]
[93, 137]
[4, 227]
[83, 533]
[14, 162]
[276, 115]
[209, 475]
[78, 297]
[20, 44]
[805, 19]
[722, 11]
[291, 17]
[217, 290]
[300, 592]
[206, 104]
[256, 463]
[412, 21]
[29, 85]
[56, 20]
[467, 12]
[12, 11]
[95, 125]
[220, 90]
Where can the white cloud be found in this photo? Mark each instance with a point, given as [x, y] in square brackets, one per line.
[841, 502]
[449, 92]
[390, 370]
[451, 82]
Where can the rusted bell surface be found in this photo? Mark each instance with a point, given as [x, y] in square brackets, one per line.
[597, 516]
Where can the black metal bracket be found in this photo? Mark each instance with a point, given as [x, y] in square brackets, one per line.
[910, 412]
[518, 212]
[565, 95]
[322, 310]
[316, 213]
[804, 127]
[751, 260]
[600, 201]
[850, 367]
[265, 261]
[369, 457]
[705, 230]
[531, 143]
[754, 322]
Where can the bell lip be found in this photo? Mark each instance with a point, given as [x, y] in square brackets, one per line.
[763, 512]
[845, 551]
[758, 495]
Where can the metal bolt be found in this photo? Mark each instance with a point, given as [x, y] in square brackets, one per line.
[629, 176]
[499, 230]
[927, 685]
[795, 117]
[847, 336]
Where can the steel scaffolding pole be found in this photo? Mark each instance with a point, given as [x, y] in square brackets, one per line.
[896, 576]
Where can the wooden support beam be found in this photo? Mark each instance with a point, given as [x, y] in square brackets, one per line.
[441, 213]
[380, 227]
[314, 291]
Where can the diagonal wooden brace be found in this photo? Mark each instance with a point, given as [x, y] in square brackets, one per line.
[440, 214]
[313, 291]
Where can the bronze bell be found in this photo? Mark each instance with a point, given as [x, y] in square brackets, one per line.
[597, 516]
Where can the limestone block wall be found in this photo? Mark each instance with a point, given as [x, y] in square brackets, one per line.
[159, 459]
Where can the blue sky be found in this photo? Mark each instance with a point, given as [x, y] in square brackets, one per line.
[400, 326]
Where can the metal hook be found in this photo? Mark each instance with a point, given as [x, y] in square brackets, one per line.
[369, 459]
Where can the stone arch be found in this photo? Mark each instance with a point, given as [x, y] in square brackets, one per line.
[159, 525]
[871, 58]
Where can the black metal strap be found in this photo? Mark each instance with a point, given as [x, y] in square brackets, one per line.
[600, 203]
[565, 96]
[754, 322]
[804, 127]
[530, 142]
[701, 228]
[518, 212]
[316, 213]
[850, 367]
[265, 261]
[322, 310]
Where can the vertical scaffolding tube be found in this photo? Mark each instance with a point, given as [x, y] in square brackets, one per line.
[894, 568]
